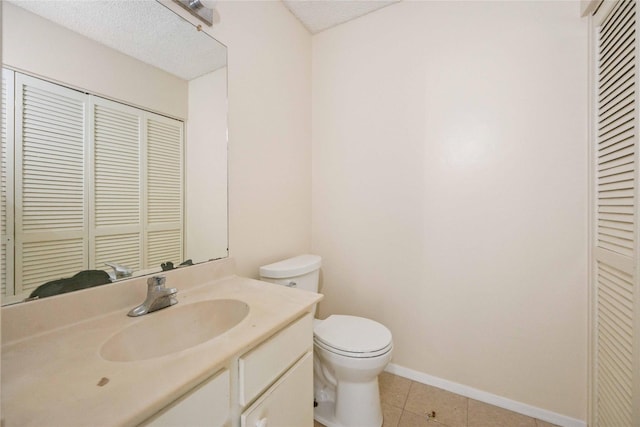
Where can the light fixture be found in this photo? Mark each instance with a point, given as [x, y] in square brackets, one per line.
[201, 9]
[208, 3]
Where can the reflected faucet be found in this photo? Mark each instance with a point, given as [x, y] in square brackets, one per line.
[158, 297]
[119, 271]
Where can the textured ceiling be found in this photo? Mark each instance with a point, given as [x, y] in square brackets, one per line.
[162, 38]
[318, 15]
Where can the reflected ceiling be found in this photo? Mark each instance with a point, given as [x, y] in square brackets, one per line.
[187, 55]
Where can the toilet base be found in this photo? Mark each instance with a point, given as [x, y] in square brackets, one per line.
[346, 388]
[325, 411]
[324, 414]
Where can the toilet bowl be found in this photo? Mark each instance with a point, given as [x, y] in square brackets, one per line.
[349, 353]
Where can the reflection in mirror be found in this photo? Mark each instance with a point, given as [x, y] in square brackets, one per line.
[114, 144]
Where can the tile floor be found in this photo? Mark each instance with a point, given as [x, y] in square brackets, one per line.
[406, 403]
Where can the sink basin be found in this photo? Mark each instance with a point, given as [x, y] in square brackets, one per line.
[174, 329]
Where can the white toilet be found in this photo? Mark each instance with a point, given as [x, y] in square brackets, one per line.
[349, 353]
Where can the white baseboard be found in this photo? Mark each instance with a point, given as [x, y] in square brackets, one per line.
[483, 396]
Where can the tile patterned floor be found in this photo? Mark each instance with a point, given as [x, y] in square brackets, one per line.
[406, 403]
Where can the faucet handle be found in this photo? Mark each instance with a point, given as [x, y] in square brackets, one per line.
[156, 281]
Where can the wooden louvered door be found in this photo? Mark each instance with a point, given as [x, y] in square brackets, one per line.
[85, 181]
[164, 147]
[117, 225]
[50, 195]
[137, 211]
[615, 298]
[6, 189]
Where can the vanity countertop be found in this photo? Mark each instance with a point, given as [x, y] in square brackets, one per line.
[53, 374]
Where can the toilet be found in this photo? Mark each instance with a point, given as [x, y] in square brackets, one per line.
[349, 353]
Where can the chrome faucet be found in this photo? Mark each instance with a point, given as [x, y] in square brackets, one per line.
[158, 297]
[119, 271]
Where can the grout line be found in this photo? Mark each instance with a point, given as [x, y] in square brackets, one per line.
[406, 398]
[467, 424]
[423, 413]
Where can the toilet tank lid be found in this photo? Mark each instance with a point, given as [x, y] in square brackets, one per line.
[291, 267]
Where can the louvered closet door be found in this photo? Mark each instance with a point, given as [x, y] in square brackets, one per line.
[164, 190]
[615, 330]
[6, 182]
[117, 227]
[51, 218]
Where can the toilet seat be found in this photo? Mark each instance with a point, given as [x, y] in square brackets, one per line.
[352, 336]
[351, 354]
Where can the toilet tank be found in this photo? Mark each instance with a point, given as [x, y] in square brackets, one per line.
[301, 272]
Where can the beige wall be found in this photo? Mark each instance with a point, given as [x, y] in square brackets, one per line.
[42, 48]
[269, 131]
[206, 168]
[450, 190]
[449, 179]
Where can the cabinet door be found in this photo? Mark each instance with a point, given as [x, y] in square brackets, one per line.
[260, 367]
[208, 405]
[289, 402]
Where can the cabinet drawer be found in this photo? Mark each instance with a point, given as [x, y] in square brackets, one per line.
[289, 402]
[207, 405]
[264, 364]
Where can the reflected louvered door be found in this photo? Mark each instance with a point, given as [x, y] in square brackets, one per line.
[94, 181]
[117, 227]
[6, 182]
[615, 371]
[50, 200]
[164, 215]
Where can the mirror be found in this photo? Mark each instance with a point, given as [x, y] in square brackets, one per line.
[149, 71]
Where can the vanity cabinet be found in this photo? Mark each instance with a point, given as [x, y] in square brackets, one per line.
[240, 377]
[289, 402]
[207, 405]
[271, 385]
[260, 367]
